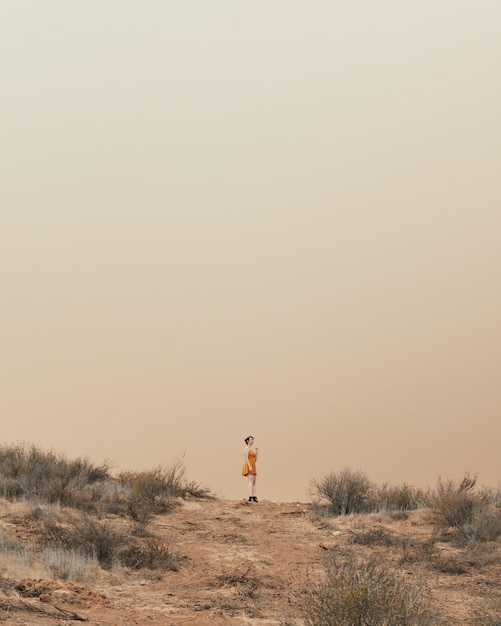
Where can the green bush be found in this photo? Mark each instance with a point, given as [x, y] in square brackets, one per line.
[365, 593]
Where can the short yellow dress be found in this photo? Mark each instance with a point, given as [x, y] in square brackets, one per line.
[252, 459]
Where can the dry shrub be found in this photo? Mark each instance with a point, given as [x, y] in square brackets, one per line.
[99, 540]
[350, 491]
[86, 536]
[466, 514]
[453, 504]
[418, 551]
[378, 536]
[148, 496]
[404, 497]
[68, 564]
[151, 554]
[365, 593]
[347, 491]
[242, 577]
[34, 474]
[484, 526]
[155, 492]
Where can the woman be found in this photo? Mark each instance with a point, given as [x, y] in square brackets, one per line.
[249, 469]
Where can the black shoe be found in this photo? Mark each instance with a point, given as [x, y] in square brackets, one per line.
[255, 499]
[251, 499]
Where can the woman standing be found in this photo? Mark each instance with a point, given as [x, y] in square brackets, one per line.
[249, 469]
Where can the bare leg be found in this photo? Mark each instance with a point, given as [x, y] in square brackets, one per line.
[253, 486]
[250, 478]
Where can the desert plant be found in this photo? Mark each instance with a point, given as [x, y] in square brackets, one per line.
[418, 551]
[68, 564]
[365, 593]
[35, 474]
[463, 512]
[150, 493]
[453, 504]
[374, 537]
[86, 536]
[347, 491]
[151, 554]
[402, 497]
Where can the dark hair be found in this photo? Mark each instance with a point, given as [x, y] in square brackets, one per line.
[247, 438]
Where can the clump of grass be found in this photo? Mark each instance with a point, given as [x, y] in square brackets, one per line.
[367, 593]
[15, 559]
[152, 554]
[398, 498]
[243, 578]
[68, 564]
[418, 551]
[378, 536]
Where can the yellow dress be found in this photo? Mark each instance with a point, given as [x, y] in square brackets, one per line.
[252, 459]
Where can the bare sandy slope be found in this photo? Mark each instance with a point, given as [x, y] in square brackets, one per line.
[245, 563]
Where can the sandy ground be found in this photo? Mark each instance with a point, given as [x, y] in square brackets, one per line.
[244, 563]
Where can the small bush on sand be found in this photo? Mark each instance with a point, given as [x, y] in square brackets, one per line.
[151, 554]
[148, 496]
[365, 593]
[347, 491]
[466, 514]
[374, 537]
[453, 504]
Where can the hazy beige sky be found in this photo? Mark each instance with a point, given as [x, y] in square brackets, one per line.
[229, 217]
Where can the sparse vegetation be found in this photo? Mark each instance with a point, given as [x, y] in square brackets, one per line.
[34, 474]
[463, 513]
[68, 564]
[374, 537]
[377, 547]
[359, 592]
[68, 504]
[350, 491]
